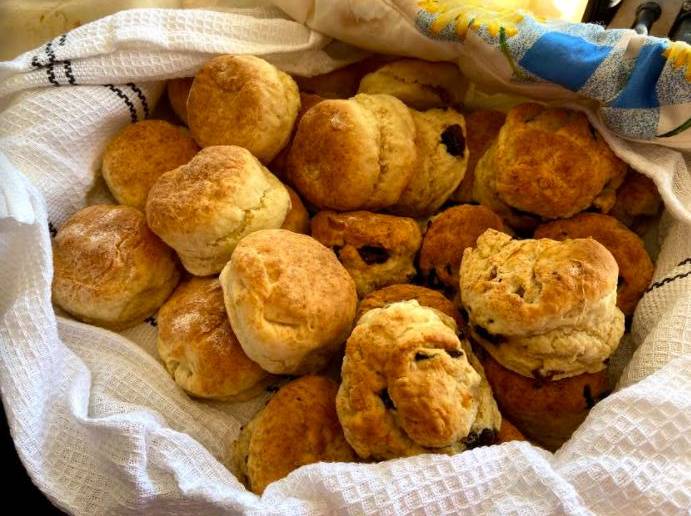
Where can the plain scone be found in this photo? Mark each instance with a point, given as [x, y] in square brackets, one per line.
[244, 101]
[139, 154]
[290, 302]
[419, 84]
[198, 346]
[204, 208]
[353, 154]
[409, 386]
[298, 426]
[542, 308]
[109, 268]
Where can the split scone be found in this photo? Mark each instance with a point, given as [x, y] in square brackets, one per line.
[546, 313]
[298, 426]
[410, 386]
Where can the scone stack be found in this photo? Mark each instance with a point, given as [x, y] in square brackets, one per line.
[401, 268]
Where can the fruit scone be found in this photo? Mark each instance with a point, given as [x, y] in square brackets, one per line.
[545, 313]
[410, 386]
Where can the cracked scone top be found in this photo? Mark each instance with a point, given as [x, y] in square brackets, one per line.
[552, 162]
[353, 154]
[298, 426]
[419, 84]
[198, 346]
[409, 386]
[540, 307]
[203, 209]
[290, 302]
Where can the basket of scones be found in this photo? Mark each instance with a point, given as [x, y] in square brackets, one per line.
[390, 272]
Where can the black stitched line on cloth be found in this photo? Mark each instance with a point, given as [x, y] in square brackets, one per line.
[687, 261]
[126, 100]
[141, 96]
[51, 229]
[62, 39]
[50, 71]
[660, 283]
[68, 72]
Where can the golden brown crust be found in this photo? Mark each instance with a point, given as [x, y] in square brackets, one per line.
[442, 157]
[551, 162]
[204, 208]
[547, 412]
[342, 83]
[178, 90]
[540, 307]
[637, 201]
[139, 154]
[484, 192]
[449, 234]
[290, 302]
[419, 84]
[407, 386]
[377, 250]
[297, 219]
[482, 128]
[405, 292]
[635, 266]
[109, 268]
[198, 346]
[353, 154]
[279, 165]
[244, 101]
[298, 426]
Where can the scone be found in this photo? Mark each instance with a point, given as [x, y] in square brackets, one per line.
[552, 162]
[542, 308]
[637, 203]
[290, 302]
[279, 165]
[546, 411]
[297, 219]
[343, 82]
[198, 346]
[442, 158]
[139, 154]
[178, 90]
[244, 101]
[406, 292]
[377, 250]
[419, 84]
[449, 234]
[544, 313]
[109, 268]
[409, 386]
[485, 193]
[204, 208]
[353, 154]
[298, 426]
[508, 432]
[482, 128]
[635, 266]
